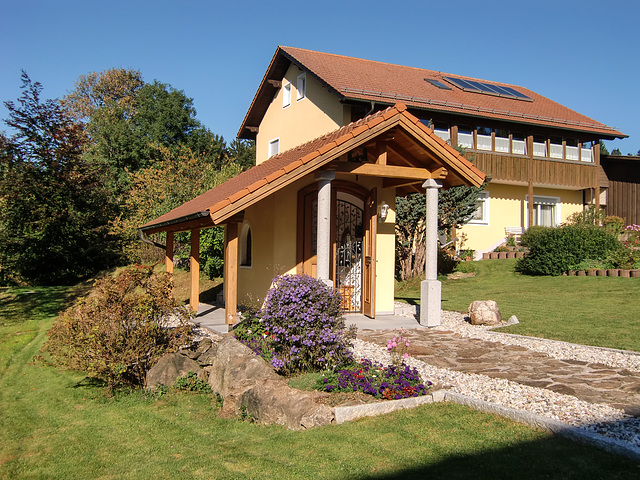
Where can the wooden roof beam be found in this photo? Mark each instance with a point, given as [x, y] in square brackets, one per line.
[388, 171]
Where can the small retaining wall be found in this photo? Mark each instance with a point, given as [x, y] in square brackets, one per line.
[605, 272]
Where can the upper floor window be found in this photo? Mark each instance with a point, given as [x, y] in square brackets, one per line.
[274, 147]
[502, 140]
[483, 138]
[518, 144]
[286, 95]
[301, 86]
[539, 146]
[465, 137]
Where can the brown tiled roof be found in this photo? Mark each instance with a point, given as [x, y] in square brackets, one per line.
[367, 80]
[263, 179]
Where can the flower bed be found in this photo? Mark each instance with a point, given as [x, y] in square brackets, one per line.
[389, 383]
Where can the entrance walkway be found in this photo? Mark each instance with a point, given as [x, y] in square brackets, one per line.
[591, 382]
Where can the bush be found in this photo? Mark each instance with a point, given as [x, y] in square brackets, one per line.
[465, 267]
[303, 318]
[121, 329]
[553, 251]
[446, 262]
[191, 383]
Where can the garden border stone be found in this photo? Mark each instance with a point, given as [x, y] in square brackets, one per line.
[353, 412]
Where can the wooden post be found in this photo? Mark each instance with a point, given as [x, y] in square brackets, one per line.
[168, 256]
[194, 297]
[231, 273]
[531, 176]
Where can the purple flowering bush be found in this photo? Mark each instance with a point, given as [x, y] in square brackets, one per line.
[390, 383]
[301, 326]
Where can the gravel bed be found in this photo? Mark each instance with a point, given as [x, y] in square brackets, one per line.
[457, 323]
[595, 418]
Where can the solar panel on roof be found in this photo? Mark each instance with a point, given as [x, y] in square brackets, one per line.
[437, 83]
[486, 88]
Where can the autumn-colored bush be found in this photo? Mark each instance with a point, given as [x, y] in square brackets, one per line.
[121, 328]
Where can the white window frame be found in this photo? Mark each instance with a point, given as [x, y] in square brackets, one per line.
[483, 206]
[274, 147]
[544, 200]
[286, 95]
[246, 250]
[301, 87]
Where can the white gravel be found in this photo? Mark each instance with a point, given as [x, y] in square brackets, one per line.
[595, 418]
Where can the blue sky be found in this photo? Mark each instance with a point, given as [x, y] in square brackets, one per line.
[583, 54]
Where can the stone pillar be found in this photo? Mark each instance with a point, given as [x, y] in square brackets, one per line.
[430, 288]
[323, 246]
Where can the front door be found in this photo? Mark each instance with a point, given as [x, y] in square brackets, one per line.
[352, 239]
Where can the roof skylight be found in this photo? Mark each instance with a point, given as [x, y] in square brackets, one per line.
[437, 83]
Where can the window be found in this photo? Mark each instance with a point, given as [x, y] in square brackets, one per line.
[539, 146]
[502, 140]
[246, 246]
[465, 137]
[286, 95]
[483, 138]
[481, 215]
[274, 147]
[442, 130]
[546, 211]
[555, 147]
[518, 144]
[301, 86]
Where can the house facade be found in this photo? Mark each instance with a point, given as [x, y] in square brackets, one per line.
[543, 159]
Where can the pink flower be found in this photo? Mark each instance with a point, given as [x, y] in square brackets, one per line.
[406, 355]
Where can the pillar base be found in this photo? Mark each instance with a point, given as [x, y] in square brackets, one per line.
[430, 302]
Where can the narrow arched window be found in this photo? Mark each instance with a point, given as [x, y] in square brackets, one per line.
[246, 246]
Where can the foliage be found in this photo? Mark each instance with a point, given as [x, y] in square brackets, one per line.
[191, 383]
[614, 224]
[53, 205]
[254, 334]
[446, 262]
[590, 216]
[243, 152]
[121, 328]
[466, 267]
[303, 316]
[391, 383]
[466, 254]
[177, 176]
[552, 251]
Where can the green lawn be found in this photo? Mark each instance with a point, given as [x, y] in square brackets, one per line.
[58, 424]
[602, 311]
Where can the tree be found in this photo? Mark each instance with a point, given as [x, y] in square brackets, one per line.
[54, 209]
[243, 152]
[616, 152]
[603, 148]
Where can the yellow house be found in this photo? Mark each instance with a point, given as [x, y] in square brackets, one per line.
[530, 147]
[326, 208]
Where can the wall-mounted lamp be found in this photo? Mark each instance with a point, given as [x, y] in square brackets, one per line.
[383, 210]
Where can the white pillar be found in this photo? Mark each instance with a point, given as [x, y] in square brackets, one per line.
[430, 288]
[323, 245]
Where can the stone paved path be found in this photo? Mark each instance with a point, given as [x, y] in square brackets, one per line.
[591, 382]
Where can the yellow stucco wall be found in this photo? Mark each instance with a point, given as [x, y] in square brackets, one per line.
[273, 224]
[508, 208]
[303, 120]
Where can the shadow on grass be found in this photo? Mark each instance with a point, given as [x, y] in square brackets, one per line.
[552, 457]
[90, 382]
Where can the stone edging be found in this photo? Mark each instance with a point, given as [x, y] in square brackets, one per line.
[605, 272]
[553, 426]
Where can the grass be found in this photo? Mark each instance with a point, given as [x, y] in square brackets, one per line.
[59, 424]
[601, 311]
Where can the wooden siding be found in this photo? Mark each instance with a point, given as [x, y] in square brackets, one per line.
[509, 168]
[624, 187]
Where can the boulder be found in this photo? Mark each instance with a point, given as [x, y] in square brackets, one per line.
[169, 368]
[485, 312]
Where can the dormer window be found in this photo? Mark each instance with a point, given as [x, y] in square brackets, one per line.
[301, 86]
[286, 95]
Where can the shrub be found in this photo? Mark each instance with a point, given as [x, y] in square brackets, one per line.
[446, 262]
[191, 383]
[552, 251]
[121, 328]
[303, 317]
[466, 254]
[465, 267]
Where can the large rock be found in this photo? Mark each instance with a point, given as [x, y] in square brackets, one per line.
[485, 312]
[250, 386]
[169, 368]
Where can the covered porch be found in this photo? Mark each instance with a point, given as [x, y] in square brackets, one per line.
[281, 215]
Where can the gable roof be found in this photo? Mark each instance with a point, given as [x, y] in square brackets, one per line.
[354, 79]
[226, 200]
